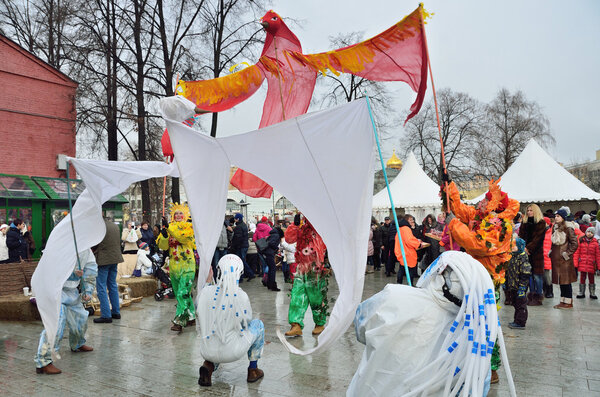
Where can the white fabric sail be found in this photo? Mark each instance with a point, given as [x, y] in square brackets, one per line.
[327, 173]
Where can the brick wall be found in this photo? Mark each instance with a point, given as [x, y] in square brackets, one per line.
[37, 113]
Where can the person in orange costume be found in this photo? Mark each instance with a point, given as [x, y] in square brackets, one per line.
[485, 232]
[411, 244]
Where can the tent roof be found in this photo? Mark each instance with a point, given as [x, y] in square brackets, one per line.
[411, 188]
[535, 177]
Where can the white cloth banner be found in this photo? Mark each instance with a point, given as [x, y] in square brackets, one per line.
[327, 172]
[103, 180]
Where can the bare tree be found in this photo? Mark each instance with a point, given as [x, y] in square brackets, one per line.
[511, 120]
[40, 26]
[229, 36]
[460, 119]
[171, 39]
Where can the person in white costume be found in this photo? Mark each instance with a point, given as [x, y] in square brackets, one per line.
[72, 314]
[432, 340]
[227, 329]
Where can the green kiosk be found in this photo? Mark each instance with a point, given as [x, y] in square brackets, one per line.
[43, 202]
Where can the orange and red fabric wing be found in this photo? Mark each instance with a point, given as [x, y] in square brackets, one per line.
[222, 93]
[398, 54]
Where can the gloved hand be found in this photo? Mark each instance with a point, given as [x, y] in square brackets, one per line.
[164, 232]
[550, 254]
[164, 222]
[565, 256]
[297, 219]
[446, 177]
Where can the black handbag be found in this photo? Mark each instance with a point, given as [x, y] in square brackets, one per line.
[261, 244]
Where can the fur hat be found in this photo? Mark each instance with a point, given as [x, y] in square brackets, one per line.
[562, 212]
[586, 218]
[3, 226]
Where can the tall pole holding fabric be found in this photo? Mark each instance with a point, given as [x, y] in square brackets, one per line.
[71, 216]
[387, 184]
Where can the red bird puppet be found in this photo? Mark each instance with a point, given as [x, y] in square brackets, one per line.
[398, 54]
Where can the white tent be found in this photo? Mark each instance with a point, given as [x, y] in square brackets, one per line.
[412, 190]
[535, 177]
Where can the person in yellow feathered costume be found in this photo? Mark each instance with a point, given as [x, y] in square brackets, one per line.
[178, 238]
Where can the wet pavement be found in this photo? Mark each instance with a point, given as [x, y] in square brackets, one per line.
[557, 355]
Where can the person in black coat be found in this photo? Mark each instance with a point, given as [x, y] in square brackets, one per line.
[269, 254]
[239, 244]
[148, 237]
[16, 243]
[385, 246]
[377, 243]
[390, 264]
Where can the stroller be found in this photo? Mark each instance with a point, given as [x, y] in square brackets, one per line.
[164, 282]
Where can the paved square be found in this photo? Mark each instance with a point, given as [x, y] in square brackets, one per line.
[557, 355]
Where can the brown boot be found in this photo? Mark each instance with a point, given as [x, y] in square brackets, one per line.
[254, 374]
[296, 330]
[495, 378]
[562, 302]
[191, 323]
[176, 327]
[206, 371]
[83, 349]
[318, 329]
[49, 369]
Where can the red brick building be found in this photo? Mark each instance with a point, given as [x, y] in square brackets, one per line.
[37, 113]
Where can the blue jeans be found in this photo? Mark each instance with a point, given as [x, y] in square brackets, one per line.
[107, 278]
[219, 253]
[536, 283]
[247, 270]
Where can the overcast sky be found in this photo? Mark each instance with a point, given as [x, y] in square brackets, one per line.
[549, 49]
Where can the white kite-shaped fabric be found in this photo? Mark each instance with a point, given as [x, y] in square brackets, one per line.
[326, 171]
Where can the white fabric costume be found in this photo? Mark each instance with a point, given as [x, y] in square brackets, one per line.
[413, 346]
[227, 330]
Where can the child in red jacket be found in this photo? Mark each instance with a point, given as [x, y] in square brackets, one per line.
[587, 261]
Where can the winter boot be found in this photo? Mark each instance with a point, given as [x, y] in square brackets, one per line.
[494, 378]
[561, 304]
[296, 330]
[318, 329]
[568, 303]
[254, 374]
[581, 294]
[549, 291]
[206, 371]
[593, 291]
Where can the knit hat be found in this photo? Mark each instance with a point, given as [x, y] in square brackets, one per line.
[591, 229]
[264, 219]
[3, 226]
[238, 216]
[520, 244]
[586, 218]
[143, 245]
[563, 213]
